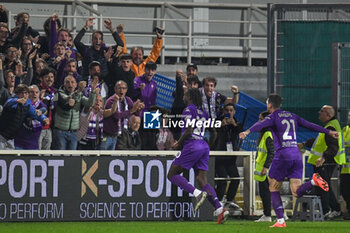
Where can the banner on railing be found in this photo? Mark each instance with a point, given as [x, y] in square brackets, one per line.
[65, 188]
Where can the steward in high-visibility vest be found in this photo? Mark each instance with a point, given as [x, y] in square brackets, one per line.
[263, 158]
[346, 133]
[319, 146]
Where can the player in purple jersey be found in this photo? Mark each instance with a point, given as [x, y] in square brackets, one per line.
[287, 161]
[195, 154]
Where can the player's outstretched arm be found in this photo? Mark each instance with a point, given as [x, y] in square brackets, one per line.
[311, 126]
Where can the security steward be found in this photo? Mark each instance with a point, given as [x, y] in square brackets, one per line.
[326, 152]
[265, 153]
[345, 171]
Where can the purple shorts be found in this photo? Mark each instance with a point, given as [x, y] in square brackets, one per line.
[195, 154]
[286, 168]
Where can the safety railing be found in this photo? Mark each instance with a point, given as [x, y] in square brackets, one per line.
[246, 32]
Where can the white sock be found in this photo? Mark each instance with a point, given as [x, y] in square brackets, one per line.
[280, 220]
[196, 192]
[313, 182]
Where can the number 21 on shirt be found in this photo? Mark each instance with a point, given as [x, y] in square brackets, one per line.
[289, 132]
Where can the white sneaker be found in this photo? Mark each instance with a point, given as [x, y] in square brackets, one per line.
[285, 217]
[232, 205]
[333, 214]
[264, 219]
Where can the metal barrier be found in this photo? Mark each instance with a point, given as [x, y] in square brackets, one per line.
[248, 174]
[246, 33]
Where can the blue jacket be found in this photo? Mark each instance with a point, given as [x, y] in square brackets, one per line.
[13, 116]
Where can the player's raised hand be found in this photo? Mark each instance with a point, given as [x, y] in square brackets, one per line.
[334, 134]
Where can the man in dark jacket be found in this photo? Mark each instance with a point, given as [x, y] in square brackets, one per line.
[122, 72]
[95, 52]
[227, 140]
[130, 138]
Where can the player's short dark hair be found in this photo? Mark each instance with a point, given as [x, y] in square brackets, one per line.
[265, 114]
[151, 65]
[209, 79]
[275, 100]
[195, 96]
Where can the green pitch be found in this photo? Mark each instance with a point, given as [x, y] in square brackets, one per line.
[231, 226]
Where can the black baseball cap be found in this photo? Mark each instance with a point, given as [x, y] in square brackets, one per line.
[192, 65]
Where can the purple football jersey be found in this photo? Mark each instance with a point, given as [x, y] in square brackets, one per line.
[191, 117]
[284, 126]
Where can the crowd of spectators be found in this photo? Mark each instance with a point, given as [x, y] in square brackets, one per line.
[63, 94]
[58, 93]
